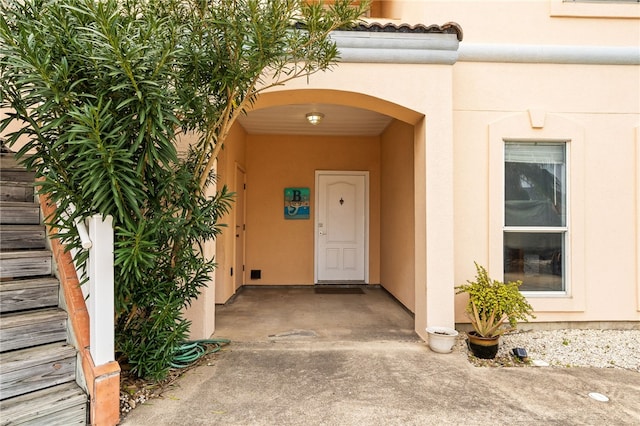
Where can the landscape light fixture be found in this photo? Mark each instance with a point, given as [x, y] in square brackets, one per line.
[314, 118]
[520, 353]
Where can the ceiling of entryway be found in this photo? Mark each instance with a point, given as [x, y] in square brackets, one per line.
[291, 120]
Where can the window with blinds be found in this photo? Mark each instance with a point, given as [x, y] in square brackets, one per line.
[535, 215]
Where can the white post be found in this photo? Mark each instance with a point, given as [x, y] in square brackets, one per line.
[101, 297]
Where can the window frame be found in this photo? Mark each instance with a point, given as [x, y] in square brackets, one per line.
[564, 230]
[539, 125]
[593, 9]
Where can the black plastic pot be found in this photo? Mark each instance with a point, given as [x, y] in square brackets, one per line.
[483, 347]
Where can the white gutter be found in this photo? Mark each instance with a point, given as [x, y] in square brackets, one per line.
[440, 48]
[547, 54]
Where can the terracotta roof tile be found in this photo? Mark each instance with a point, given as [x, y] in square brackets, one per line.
[448, 28]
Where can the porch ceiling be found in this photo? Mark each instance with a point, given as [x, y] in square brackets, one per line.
[338, 120]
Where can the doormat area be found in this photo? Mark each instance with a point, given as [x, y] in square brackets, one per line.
[338, 290]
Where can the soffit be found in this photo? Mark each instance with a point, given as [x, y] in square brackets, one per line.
[338, 120]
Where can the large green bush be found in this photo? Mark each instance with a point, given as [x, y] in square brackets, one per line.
[94, 88]
[100, 90]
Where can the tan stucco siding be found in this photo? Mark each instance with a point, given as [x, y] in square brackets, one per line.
[527, 22]
[599, 121]
[284, 249]
[397, 217]
[233, 155]
[560, 88]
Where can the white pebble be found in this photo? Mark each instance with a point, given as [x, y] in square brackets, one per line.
[578, 348]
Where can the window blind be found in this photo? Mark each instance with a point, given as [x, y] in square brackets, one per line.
[534, 153]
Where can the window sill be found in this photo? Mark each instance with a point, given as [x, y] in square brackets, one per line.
[545, 294]
[551, 302]
[560, 9]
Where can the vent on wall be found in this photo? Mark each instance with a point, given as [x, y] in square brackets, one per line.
[256, 274]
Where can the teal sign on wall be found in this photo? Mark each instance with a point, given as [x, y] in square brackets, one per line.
[296, 203]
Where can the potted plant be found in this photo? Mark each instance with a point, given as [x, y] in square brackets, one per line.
[494, 308]
[442, 339]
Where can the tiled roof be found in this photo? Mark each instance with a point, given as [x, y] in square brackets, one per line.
[448, 28]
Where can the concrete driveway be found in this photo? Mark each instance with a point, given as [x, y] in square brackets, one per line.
[301, 358]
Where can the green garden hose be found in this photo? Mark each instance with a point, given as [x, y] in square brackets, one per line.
[190, 351]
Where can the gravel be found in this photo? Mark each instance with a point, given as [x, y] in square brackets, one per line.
[567, 348]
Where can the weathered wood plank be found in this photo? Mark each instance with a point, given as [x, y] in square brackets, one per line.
[16, 191]
[25, 329]
[15, 174]
[32, 369]
[17, 264]
[31, 357]
[15, 237]
[8, 161]
[20, 295]
[18, 213]
[59, 405]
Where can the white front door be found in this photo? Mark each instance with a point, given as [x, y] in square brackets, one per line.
[341, 226]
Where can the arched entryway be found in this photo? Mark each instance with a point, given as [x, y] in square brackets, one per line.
[410, 168]
[284, 151]
[280, 150]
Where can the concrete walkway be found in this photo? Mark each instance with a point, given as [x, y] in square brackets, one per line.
[300, 358]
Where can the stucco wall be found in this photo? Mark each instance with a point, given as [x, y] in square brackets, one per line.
[419, 95]
[599, 121]
[396, 250]
[284, 249]
[201, 312]
[595, 106]
[233, 155]
[397, 217]
[527, 21]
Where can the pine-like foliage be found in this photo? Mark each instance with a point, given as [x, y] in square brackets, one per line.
[93, 88]
[96, 91]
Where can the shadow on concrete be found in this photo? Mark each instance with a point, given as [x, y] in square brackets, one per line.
[299, 358]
